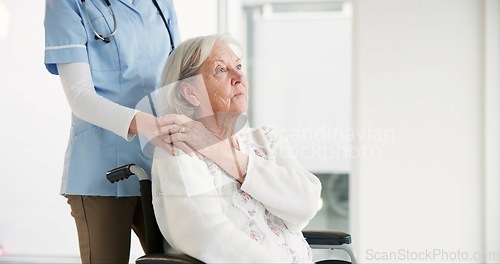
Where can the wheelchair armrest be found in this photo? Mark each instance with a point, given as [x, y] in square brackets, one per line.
[328, 238]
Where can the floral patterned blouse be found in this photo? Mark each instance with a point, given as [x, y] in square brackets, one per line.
[218, 220]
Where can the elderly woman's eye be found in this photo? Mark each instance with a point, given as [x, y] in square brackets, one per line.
[239, 66]
[220, 70]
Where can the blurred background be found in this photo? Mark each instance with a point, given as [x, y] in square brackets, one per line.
[393, 104]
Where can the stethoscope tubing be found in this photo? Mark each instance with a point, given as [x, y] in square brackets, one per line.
[166, 25]
[104, 38]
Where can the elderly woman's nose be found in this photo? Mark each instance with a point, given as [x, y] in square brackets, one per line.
[237, 77]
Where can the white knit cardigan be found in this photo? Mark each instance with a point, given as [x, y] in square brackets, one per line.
[205, 213]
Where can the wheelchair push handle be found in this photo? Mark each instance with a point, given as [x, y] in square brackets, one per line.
[124, 172]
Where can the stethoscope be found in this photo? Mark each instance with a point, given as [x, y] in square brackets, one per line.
[105, 38]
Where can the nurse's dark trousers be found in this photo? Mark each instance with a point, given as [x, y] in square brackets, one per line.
[104, 226]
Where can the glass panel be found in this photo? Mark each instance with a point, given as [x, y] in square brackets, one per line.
[299, 71]
[300, 79]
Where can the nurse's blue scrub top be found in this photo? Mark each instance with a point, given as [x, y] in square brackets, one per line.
[123, 71]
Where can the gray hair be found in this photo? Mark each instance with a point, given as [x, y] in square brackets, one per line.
[184, 63]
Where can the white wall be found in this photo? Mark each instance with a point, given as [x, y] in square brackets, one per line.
[34, 218]
[196, 17]
[419, 70]
[492, 124]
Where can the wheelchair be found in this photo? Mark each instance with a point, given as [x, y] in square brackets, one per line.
[154, 239]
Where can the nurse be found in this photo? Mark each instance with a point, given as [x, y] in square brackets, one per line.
[109, 55]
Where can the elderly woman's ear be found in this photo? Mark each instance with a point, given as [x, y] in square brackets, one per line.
[190, 94]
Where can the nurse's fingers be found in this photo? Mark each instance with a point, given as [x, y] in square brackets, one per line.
[170, 124]
[178, 146]
[166, 130]
[160, 142]
[184, 148]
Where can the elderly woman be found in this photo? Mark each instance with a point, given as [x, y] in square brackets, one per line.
[226, 193]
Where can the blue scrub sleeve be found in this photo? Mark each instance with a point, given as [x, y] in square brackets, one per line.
[65, 34]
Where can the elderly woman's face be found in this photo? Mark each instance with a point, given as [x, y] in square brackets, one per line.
[226, 85]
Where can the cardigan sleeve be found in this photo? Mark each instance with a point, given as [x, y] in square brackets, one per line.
[190, 215]
[285, 188]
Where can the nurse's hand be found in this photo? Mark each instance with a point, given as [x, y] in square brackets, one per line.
[153, 128]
